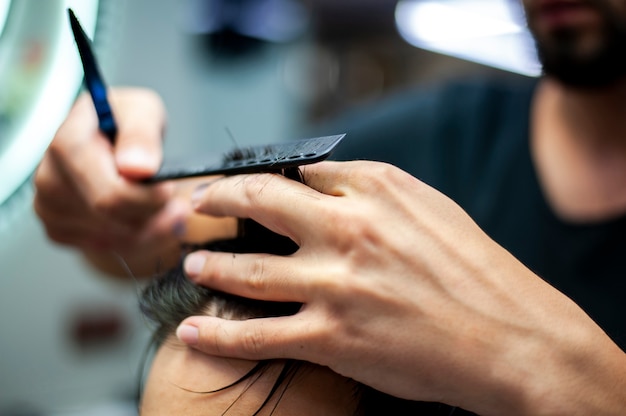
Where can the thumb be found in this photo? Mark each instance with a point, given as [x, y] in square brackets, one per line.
[140, 116]
[135, 160]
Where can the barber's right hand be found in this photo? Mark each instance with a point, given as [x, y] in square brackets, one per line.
[88, 193]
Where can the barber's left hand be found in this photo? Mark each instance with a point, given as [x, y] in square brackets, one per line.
[401, 291]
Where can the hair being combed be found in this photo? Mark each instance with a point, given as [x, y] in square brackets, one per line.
[171, 297]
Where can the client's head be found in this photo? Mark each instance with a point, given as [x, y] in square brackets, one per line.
[183, 381]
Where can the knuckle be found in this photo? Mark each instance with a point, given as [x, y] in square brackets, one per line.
[51, 205]
[118, 204]
[39, 208]
[379, 169]
[105, 204]
[211, 271]
[48, 190]
[57, 150]
[213, 341]
[255, 279]
[253, 340]
[380, 176]
[152, 98]
[102, 204]
[356, 244]
[62, 237]
[254, 186]
[41, 177]
[355, 226]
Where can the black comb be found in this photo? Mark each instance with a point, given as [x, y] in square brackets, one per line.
[256, 159]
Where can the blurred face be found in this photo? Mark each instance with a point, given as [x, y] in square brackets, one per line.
[178, 373]
[580, 42]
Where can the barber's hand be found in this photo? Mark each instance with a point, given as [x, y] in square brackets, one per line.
[87, 194]
[403, 292]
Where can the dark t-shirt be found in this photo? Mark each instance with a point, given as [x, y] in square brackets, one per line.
[470, 140]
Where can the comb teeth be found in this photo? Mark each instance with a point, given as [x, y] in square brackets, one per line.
[255, 159]
[240, 154]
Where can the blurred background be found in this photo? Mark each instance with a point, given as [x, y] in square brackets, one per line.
[72, 340]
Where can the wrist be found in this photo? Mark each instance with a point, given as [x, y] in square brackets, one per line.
[570, 367]
[537, 352]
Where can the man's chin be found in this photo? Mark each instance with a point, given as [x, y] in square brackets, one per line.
[597, 77]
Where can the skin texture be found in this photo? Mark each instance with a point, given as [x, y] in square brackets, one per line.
[391, 272]
[531, 348]
[87, 196]
[178, 373]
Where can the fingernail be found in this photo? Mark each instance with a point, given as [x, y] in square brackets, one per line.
[136, 157]
[197, 193]
[187, 334]
[179, 229]
[194, 263]
[178, 211]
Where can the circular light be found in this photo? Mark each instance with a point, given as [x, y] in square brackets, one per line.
[40, 76]
[4, 10]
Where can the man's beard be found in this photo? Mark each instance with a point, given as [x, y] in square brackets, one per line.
[602, 67]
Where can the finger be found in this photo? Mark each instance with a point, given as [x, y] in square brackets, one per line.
[106, 193]
[71, 223]
[53, 190]
[285, 206]
[83, 239]
[85, 157]
[329, 178]
[354, 177]
[257, 276]
[104, 236]
[140, 116]
[170, 222]
[66, 236]
[255, 339]
[117, 199]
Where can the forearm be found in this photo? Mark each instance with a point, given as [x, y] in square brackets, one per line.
[552, 358]
[583, 374]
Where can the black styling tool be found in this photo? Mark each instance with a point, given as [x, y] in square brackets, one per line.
[255, 159]
[93, 80]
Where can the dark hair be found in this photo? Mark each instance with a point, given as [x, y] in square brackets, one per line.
[170, 298]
